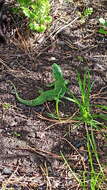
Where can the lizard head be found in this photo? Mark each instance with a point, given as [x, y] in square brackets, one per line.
[57, 73]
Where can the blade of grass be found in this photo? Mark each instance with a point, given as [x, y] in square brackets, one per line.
[72, 172]
[94, 181]
[101, 106]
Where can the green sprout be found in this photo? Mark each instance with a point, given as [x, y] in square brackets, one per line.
[87, 12]
[6, 106]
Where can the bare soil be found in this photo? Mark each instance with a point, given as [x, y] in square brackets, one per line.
[30, 142]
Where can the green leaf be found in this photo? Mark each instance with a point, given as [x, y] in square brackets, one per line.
[41, 28]
[101, 106]
[6, 106]
[100, 116]
[102, 31]
[15, 10]
[103, 21]
[48, 19]
[24, 2]
[27, 12]
[37, 27]
[88, 11]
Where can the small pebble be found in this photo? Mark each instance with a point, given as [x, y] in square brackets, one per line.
[7, 171]
[52, 59]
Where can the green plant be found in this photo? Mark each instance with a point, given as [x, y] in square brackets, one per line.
[72, 172]
[16, 134]
[85, 113]
[87, 12]
[92, 177]
[100, 115]
[103, 29]
[6, 106]
[96, 176]
[37, 12]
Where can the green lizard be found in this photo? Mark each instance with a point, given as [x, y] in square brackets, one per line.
[60, 88]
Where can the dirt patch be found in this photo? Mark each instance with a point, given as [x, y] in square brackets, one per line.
[30, 142]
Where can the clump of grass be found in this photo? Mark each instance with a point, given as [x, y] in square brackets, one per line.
[96, 175]
[93, 178]
[85, 113]
[85, 107]
[90, 178]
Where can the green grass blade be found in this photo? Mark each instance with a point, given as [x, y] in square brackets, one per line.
[101, 106]
[100, 116]
[72, 172]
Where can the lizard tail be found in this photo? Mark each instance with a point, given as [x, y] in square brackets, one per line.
[33, 102]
